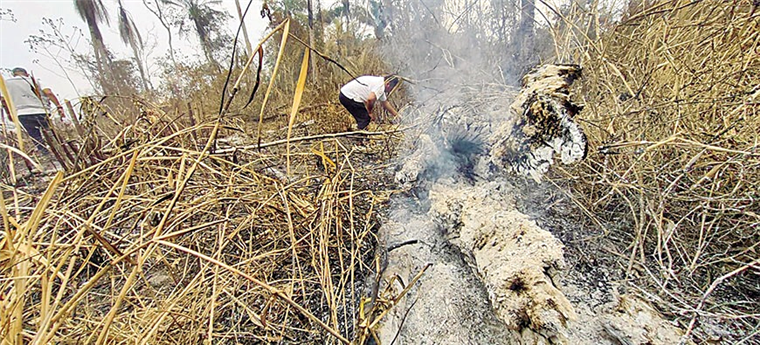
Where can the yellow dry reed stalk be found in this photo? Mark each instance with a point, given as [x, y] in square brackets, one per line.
[42, 337]
[370, 324]
[14, 114]
[106, 324]
[321, 153]
[21, 251]
[312, 137]
[7, 219]
[21, 153]
[296, 269]
[300, 86]
[212, 306]
[294, 236]
[88, 224]
[144, 338]
[285, 30]
[188, 175]
[112, 313]
[236, 85]
[124, 182]
[671, 104]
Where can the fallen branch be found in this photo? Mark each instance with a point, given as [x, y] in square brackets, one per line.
[307, 138]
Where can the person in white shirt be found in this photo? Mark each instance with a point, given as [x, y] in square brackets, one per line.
[32, 105]
[360, 95]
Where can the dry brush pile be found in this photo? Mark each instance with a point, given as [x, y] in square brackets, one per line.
[171, 235]
[163, 243]
[672, 95]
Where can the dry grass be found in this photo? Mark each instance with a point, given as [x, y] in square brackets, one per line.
[161, 234]
[672, 97]
[136, 248]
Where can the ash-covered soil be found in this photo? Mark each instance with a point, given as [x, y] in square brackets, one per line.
[498, 278]
[507, 262]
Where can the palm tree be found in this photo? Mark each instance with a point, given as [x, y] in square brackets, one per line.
[204, 20]
[130, 35]
[372, 16]
[94, 13]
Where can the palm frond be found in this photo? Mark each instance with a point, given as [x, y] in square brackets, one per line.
[92, 11]
[127, 28]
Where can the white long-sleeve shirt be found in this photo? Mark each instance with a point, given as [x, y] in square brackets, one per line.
[360, 88]
[24, 98]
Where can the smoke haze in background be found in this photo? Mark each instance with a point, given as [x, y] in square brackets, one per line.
[464, 76]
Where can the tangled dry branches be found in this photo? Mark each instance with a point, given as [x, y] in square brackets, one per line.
[672, 98]
[162, 242]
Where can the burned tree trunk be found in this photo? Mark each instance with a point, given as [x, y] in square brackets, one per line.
[543, 124]
[523, 39]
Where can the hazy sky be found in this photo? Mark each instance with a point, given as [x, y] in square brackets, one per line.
[29, 13]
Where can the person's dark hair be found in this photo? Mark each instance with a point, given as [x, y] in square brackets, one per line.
[392, 81]
[19, 69]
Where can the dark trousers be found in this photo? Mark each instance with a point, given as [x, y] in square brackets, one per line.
[34, 124]
[358, 110]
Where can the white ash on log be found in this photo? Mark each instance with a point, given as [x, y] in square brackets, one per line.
[541, 124]
[492, 275]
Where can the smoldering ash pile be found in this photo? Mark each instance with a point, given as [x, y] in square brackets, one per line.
[492, 275]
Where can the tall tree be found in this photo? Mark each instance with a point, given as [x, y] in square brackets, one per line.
[130, 35]
[371, 16]
[204, 20]
[94, 13]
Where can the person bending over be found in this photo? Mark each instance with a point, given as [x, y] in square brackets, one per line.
[360, 95]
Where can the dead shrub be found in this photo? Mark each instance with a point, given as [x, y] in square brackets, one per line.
[672, 95]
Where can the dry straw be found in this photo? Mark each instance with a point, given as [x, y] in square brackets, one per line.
[158, 236]
[671, 107]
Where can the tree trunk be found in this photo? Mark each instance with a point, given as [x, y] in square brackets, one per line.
[321, 22]
[248, 47]
[347, 12]
[206, 45]
[97, 47]
[523, 40]
[145, 81]
[210, 55]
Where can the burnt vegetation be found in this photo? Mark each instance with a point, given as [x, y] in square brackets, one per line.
[226, 202]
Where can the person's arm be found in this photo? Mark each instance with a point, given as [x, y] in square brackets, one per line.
[370, 104]
[6, 110]
[389, 107]
[51, 96]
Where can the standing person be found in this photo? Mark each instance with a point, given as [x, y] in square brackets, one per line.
[360, 95]
[31, 105]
